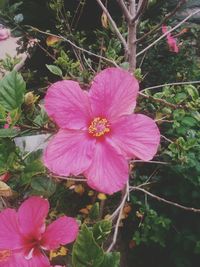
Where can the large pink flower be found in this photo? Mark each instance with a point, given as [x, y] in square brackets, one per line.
[24, 236]
[98, 132]
[172, 43]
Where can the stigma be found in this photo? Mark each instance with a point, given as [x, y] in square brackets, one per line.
[99, 127]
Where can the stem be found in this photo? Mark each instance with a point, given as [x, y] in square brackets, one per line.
[112, 22]
[169, 84]
[134, 188]
[132, 38]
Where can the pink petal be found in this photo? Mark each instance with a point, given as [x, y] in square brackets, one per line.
[68, 105]
[18, 260]
[164, 29]
[69, 152]
[61, 232]
[32, 214]
[172, 44]
[9, 230]
[113, 93]
[108, 172]
[4, 33]
[136, 135]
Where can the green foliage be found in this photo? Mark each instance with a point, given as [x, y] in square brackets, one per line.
[94, 212]
[101, 230]
[43, 186]
[9, 62]
[87, 252]
[12, 89]
[55, 70]
[7, 155]
[153, 228]
[12, 132]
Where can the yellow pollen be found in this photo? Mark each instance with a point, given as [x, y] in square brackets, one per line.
[5, 255]
[99, 127]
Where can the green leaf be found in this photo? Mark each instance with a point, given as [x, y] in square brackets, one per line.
[101, 230]
[10, 132]
[55, 70]
[12, 88]
[33, 168]
[111, 260]
[193, 92]
[94, 212]
[189, 121]
[7, 154]
[44, 186]
[86, 252]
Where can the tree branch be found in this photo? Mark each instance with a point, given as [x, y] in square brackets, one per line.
[180, 3]
[120, 210]
[76, 46]
[162, 101]
[112, 22]
[134, 188]
[169, 84]
[125, 10]
[132, 37]
[140, 10]
[165, 34]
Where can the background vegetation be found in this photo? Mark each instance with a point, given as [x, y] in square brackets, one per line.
[151, 232]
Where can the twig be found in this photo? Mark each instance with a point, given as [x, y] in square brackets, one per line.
[68, 178]
[76, 46]
[169, 84]
[141, 8]
[124, 10]
[120, 210]
[115, 28]
[132, 32]
[151, 161]
[180, 3]
[167, 139]
[171, 30]
[162, 101]
[135, 188]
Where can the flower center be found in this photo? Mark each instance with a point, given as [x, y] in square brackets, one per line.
[31, 245]
[99, 127]
[5, 255]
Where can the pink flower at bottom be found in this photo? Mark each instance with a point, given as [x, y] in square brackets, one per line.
[173, 47]
[98, 133]
[24, 236]
[4, 33]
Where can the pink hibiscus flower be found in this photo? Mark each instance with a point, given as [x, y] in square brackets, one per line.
[172, 43]
[4, 33]
[98, 132]
[24, 236]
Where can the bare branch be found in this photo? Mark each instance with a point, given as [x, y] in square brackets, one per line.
[169, 84]
[151, 161]
[76, 46]
[125, 10]
[180, 3]
[134, 188]
[112, 22]
[141, 7]
[165, 34]
[69, 178]
[162, 101]
[120, 210]
[132, 36]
